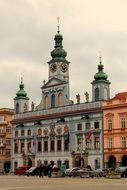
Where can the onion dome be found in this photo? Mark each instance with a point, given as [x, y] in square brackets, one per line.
[100, 75]
[21, 92]
[58, 54]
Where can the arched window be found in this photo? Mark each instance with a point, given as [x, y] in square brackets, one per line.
[60, 100]
[105, 94]
[17, 108]
[53, 101]
[97, 94]
[46, 102]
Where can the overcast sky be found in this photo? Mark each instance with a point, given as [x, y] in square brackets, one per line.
[27, 29]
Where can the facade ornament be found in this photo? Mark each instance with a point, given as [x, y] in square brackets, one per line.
[43, 82]
[45, 131]
[52, 130]
[32, 106]
[39, 132]
[86, 97]
[25, 107]
[78, 98]
[59, 130]
[66, 129]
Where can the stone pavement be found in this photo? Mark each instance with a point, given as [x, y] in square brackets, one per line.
[36, 183]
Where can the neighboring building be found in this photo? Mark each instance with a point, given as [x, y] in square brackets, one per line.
[58, 130]
[115, 131]
[6, 116]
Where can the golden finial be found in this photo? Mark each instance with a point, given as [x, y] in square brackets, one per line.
[58, 22]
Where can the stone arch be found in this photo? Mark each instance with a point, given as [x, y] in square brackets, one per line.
[97, 94]
[124, 160]
[46, 102]
[112, 162]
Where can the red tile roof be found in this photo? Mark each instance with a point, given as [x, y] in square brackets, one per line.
[120, 96]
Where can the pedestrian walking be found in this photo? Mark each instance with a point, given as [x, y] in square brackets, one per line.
[41, 170]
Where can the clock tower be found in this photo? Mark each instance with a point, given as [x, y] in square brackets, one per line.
[55, 92]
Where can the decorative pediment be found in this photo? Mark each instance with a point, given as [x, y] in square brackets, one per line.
[53, 82]
[109, 115]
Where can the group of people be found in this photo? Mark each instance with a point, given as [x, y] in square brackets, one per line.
[52, 169]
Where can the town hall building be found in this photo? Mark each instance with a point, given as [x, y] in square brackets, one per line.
[59, 130]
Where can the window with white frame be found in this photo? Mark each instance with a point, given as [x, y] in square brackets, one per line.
[8, 130]
[1, 151]
[8, 141]
[88, 143]
[110, 124]
[1, 130]
[123, 142]
[1, 118]
[96, 125]
[16, 133]
[79, 126]
[97, 142]
[79, 143]
[88, 126]
[110, 142]
[1, 141]
[123, 122]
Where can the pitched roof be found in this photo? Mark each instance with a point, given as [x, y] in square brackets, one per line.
[121, 95]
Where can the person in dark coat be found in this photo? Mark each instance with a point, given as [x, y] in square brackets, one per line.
[41, 170]
[49, 167]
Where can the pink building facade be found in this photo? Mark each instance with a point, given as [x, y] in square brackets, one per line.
[115, 131]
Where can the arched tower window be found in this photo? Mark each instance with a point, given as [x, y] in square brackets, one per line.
[17, 108]
[105, 94]
[53, 101]
[60, 99]
[46, 102]
[97, 94]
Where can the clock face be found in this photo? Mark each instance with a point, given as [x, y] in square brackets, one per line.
[53, 67]
[63, 67]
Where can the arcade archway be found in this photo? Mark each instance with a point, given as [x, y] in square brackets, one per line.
[112, 162]
[124, 160]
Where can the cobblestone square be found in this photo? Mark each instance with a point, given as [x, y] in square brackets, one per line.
[36, 183]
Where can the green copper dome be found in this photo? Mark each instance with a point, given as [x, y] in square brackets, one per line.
[58, 52]
[21, 92]
[100, 75]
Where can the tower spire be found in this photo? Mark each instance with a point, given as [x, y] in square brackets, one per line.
[100, 59]
[58, 25]
[21, 78]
